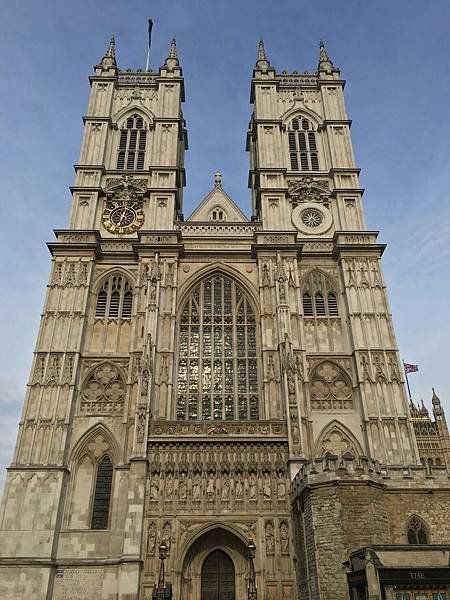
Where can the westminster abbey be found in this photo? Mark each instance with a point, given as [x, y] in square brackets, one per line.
[216, 408]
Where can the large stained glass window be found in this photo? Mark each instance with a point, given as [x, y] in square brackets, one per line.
[217, 364]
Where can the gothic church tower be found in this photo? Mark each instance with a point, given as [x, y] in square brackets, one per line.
[209, 383]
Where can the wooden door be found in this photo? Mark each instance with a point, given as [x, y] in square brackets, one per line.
[218, 577]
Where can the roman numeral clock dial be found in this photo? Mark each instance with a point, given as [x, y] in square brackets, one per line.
[122, 217]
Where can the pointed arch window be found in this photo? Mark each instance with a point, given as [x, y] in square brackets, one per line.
[217, 362]
[303, 151]
[416, 531]
[102, 494]
[217, 214]
[132, 144]
[319, 297]
[114, 299]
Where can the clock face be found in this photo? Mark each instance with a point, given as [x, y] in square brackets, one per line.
[123, 217]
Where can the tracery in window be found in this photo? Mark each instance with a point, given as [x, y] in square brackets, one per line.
[102, 494]
[217, 364]
[416, 531]
[331, 388]
[114, 299]
[319, 297]
[303, 145]
[132, 143]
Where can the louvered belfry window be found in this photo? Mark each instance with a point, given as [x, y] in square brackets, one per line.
[132, 143]
[217, 363]
[318, 299]
[114, 299]
[303, 151]
[102, 494]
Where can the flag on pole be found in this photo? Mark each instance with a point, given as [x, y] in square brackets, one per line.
[150, 27]
[410, 368]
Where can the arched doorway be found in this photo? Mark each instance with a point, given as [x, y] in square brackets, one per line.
[218, 578]
[215, 566]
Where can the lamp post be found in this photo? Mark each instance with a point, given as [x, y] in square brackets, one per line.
[251, 549]
[162, 556]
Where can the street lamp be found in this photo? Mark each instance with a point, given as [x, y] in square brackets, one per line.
[251, 549]
[163, 549]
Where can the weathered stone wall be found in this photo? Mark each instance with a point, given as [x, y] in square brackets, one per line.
[340, 508]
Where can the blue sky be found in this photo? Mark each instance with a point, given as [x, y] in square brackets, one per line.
[394, 56]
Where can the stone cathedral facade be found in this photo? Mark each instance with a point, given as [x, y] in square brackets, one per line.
[213, 381]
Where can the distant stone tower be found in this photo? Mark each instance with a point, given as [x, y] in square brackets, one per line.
[220, 392]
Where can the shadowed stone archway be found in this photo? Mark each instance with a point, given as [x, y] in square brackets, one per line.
[211, 562]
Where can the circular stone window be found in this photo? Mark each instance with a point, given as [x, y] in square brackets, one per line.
[311, 218]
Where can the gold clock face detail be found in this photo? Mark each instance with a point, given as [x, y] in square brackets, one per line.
[123, 217]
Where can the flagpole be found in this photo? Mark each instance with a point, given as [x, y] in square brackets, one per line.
[407, 381]
[150, 25]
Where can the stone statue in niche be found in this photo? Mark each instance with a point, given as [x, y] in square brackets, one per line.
[167, 534]
[169, 486]
[182, 488]
[284, 538]
[239, 489]
[270, 538]
[210, 488]
[281, 487]
[197, 488]
[267, 487]
[226, 489]
[154, 489]
[151, 539]
[252, 488]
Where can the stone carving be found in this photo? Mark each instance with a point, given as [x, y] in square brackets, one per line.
[125, 187]
[270, 537]
[154, 489]
[267, 487]
[337, 443]
[151, 539]
[167, 534]
[53, 370]
[252, 489]
[226, 489]
[210, 488]
[281, 487]
[68, 369]
[239, 490]
[197, 489]
[284, 537]
[237, 428]
[140, 426]
[57, 274]
[69, 275]
[182, 487]
[308, 189]
[169, 487]
[330, 388]
[103, 391]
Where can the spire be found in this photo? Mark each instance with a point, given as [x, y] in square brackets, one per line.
[111, 52]
[435, 399]
[109, 59]
[325, 63]
[172, 59]
[323, 54]
[262, 62]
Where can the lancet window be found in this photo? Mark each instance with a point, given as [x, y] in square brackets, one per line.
[114, 299]
[319, 297]
[303, 150]
[132, 144]
[102, 494]
[416, 531]
[217, 364]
